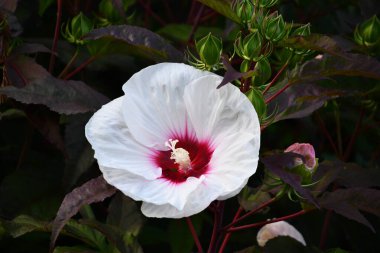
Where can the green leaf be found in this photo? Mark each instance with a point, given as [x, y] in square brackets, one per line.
[179, 236]
[223, 7]
[124, 241]
[92, 191]
[86, 234]
[140, 40]
[124, 214]
[24, 224]
[251, 198]
[43, 5]
[348, 202]
[181, 32]
[73, 249]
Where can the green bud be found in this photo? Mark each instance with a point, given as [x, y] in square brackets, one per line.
[245, 11]
[79, 26]
[209, 49]
[275, 28]
[110, 15]
[250, 47]
[301, 31]
[257, 100]
[265, 3]
[368, 33]
[262, 72]
[245, 66]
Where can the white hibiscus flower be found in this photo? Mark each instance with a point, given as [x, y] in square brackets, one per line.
[176, 142]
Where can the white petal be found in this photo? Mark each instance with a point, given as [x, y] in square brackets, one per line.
[280, 228]
[114, 145]
[233, 193]
[153, 106]
[158, 191]
[217, 113]
[197, 201]
[232, 163]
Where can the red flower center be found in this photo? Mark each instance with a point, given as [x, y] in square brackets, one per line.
[200, 154]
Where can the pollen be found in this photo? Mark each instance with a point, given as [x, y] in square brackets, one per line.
[179, 155]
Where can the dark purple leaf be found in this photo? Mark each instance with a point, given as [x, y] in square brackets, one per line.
[322, 43]
[348, 202]
[231, 74]
[80, 155]
[296, 102]
[31, 48]
[95, 190]
[142, 40]
[47, 123]
[32, 84]
[279, 164]
[344, 174]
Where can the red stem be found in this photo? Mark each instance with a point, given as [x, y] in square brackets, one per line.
[84, 64]
[327, 134]
[277, 93]
[56, 35]
[325, 229]
[354, 136]
[151, 13]
[259, 224]
[194, 234]
[196, 23]
[265, 204]
[276, 77]
[228, 235]
[214, 231]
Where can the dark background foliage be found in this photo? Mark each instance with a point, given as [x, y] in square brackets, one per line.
[44, 154]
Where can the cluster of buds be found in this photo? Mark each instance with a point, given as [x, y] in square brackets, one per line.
[77, 28]
[209, 49]
[367, 34]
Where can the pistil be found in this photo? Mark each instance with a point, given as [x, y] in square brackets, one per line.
[179, 155]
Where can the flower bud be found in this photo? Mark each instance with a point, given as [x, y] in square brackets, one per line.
[79, 26]
[262, 71]
[266, 3]
[245, 11]
[250, 47]
[257, 100]
[302, 30]
[275, 28]
[307, 151]
[275, 229]
[368, 33]
[209, 49]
